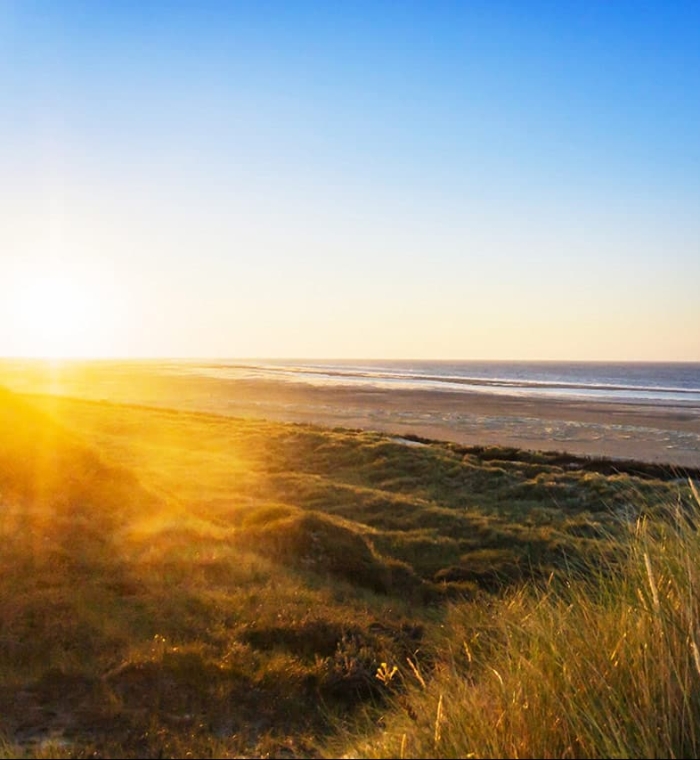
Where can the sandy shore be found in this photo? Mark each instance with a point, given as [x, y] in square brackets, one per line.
[644, 431]
[667, 434]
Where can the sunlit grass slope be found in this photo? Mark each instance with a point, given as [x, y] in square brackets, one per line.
[63, 513]
[602, 665]
[175, 582]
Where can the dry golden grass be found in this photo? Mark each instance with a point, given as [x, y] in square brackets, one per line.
[176, 582]
[588, 666]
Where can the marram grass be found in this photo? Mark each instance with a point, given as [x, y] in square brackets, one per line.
[178, 584]
[603, 666]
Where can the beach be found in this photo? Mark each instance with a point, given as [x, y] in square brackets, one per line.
[662, 432]
[641, 431]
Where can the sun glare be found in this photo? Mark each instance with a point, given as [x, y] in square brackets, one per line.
[57, 316]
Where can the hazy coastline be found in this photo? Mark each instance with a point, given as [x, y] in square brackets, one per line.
[655, 431]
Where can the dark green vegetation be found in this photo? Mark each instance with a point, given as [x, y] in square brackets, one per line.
[175, 582]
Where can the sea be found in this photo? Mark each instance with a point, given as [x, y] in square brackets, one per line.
[676, 383]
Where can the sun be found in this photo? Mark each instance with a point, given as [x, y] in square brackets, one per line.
[57, 316]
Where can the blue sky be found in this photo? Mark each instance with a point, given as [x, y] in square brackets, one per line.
[380, 179]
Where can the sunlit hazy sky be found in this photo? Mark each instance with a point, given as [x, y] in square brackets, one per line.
[455, 180]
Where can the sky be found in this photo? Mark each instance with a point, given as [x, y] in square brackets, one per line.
[417, 180]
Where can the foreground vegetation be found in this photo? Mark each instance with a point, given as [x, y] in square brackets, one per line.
[175, 583]
[597, 666]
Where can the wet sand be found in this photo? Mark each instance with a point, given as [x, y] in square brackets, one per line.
[668, 434]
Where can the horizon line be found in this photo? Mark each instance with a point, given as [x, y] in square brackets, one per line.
[232, 358]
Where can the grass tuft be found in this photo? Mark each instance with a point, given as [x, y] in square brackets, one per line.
[602, 665]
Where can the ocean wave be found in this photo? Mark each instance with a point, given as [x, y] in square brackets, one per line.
[647, 382]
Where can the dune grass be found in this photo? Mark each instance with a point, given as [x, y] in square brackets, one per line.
[176, 583]
[601, 665]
